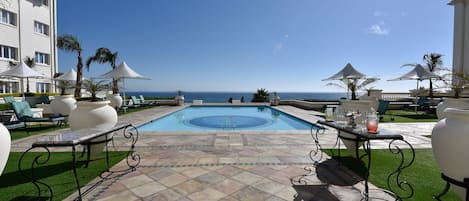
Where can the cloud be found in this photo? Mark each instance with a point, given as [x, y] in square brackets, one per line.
[404, 14]
[378, 29]
[378, 13]
[277, 48]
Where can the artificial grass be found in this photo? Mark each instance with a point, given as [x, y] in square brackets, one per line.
[404, 116]
[423, 174]
[57, 173]
[34, 130]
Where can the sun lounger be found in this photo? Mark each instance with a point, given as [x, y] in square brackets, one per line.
[9, 99]
[24, 114]
[146, 102]
[10, 125]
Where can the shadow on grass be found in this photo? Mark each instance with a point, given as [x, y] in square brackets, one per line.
[335, 172]
[16, 178]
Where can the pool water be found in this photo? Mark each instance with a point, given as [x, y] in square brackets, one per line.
[227, 118]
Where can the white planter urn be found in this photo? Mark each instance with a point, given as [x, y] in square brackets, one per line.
[180, 100]
[93, 115]
[116, 100]
[450, 144]
[63, 105]
[459, 103]
[275, 101]
[5, 144]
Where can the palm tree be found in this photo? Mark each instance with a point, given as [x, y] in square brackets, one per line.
[70, 43]
[353, 85]
[262, 95]
[104, 55]
[434, 63]
[31, 63]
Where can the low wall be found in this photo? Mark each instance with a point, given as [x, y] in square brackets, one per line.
[307, 105]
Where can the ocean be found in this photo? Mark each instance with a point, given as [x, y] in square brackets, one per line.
[222, 97]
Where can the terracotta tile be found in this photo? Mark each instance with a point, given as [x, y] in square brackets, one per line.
[136, 181]
[262, 170]
[194, 172]
[229, 171]
[189, 187]
[251, 194]
[207, 194]
[165, 195]
[147, 189]
[229, 186]
[247, 178]
[210, 178]
[269, 186]
[173, 179]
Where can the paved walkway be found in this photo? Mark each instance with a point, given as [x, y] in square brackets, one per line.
[235, 165]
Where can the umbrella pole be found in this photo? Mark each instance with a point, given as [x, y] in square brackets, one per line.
[22, 89]
[123, 91]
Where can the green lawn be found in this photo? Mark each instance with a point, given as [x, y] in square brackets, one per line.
[405, 116]
[57, 173]
[424, 174]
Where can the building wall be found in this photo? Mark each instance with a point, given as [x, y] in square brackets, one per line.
[28, 41]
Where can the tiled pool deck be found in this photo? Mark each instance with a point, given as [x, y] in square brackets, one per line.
[235, 165]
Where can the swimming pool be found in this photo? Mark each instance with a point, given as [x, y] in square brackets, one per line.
[227, 118]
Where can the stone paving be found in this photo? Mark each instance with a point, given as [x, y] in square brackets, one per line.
[236, 165]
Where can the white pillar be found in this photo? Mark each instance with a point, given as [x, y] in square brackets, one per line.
[461, 36]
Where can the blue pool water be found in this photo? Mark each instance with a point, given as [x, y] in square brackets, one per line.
[227, 118]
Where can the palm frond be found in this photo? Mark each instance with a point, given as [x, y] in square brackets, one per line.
[335, 85]
[412, 65]
[68, 42]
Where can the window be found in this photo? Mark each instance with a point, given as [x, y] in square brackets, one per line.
[42, 87]
[7, 17]
[8, 52]
[41, 28]
[9, 87]
[42, 58]
[41, 2]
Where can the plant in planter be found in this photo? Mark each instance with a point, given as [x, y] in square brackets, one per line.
[261, 96]
[459, 81]
[179, 98]
[275, 99]
[95, 113]
[105, 55]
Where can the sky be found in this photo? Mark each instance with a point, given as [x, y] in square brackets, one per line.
[243, 45]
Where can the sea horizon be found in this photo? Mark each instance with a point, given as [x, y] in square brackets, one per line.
[221, 97]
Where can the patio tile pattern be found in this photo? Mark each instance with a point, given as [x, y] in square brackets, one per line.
[234, 165]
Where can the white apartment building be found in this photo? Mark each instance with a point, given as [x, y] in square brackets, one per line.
[28, 28]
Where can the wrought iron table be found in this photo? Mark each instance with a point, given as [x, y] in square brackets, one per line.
[83, 137]
[360, 136]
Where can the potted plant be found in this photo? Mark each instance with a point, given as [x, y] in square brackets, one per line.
[261, 96]
[105, 55]
[179, 98]
[65, 103]
[275, 99]
[459, 82]
[95, 113]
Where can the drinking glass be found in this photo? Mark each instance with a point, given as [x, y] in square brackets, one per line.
[372, 123]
